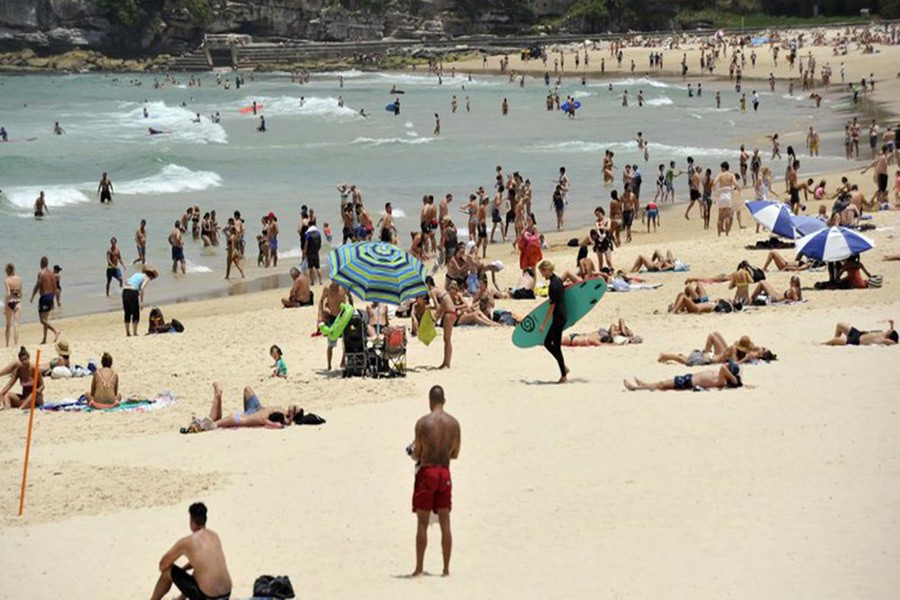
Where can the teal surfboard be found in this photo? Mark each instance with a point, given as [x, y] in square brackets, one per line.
[579, 298]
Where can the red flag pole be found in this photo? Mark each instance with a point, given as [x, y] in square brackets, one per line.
[34, 389]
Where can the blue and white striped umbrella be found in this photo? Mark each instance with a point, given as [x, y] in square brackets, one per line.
[833, 244]
[378, 272]
[805, 225]
[774, 216]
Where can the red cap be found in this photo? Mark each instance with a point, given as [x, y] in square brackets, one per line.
[271, 215]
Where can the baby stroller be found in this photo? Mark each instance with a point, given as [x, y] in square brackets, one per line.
[390, 353]
[356, 354]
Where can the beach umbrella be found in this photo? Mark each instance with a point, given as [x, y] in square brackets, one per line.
[833, 244]
[805, 225]
[774, 216]
[378, 272]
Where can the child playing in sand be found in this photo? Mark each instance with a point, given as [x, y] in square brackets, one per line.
[279, 369]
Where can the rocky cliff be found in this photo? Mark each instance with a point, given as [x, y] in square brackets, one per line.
[143, 27]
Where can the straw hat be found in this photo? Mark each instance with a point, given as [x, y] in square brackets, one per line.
[62, 348]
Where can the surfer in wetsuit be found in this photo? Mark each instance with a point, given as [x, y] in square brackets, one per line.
[397, 107]
[57, 129]
[262, 124]
[155, 131]
[3, 135]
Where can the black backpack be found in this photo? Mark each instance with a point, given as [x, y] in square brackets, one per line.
[269, 586]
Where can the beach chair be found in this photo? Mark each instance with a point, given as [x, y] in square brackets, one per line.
[356, 353]
[391, 353]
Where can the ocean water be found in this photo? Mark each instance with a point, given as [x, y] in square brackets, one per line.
[311, 147]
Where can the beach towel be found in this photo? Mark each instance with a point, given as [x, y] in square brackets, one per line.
[133, 404]
[427, 331]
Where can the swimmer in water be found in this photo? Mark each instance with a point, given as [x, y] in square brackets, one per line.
[146, 113]
[40, 206]
[4, 137]
[57, 129]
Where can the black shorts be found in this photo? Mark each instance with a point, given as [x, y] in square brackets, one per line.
[312, 261]
[113, 273]
[131, 303]
[189, 587]
[105, 196]
[695, 195]
[426, 227]
[795, 196]
[627, 218]
[882, 182]
[853, 336]
[387, 236]
[510, 217]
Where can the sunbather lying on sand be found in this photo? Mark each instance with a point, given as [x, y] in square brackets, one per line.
[847, 335]
[253, 415]
[657, 262]
[792, 294]
[617, 334]
[727, 376]
[782, 264]
[717, 351]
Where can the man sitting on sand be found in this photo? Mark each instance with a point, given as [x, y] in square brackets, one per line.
[203, 549]
[658, 262]
[300, 294]
[727, 376]
[253, 415]
[847, 335]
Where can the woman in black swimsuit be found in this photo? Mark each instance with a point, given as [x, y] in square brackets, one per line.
[12, 303]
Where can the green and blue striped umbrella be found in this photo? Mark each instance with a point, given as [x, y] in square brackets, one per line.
[378, 272]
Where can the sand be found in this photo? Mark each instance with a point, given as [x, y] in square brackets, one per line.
[786, 488]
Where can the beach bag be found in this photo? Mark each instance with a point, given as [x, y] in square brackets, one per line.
[268, 586]
[875, 281]
[177, 327]
[427, 331]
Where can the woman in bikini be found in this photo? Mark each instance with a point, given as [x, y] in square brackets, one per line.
[783, 264]
[104, 385]
[717, 351]
[847, 335]
[467, 314]
[445, 315]
[471, 209]
[23, 372]
[792, 294]
[12, 308]
[617, 334]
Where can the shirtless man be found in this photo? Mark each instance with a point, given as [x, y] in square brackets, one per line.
[695, 185]
[300, 294]
[12, 303]
[387, 230]
[377, 318]
[727, 376]
[40, 206]
[140, 242]
[113, 262]
[847, 335]
[427, 221]
[203, 550]
[46, 285]
[437, 443]
[272, 237]
[23, 372]
[333, 295]
[177, 242]
[232, 254]
[881, 174]
[105, 189]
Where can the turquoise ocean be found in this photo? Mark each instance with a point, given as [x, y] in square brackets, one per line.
[313, 145]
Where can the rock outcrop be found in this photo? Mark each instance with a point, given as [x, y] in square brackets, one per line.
[168, 26]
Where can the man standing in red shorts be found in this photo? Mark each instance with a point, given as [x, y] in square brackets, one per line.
[437, 443]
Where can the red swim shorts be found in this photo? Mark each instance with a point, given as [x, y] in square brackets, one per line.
[433, 489]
